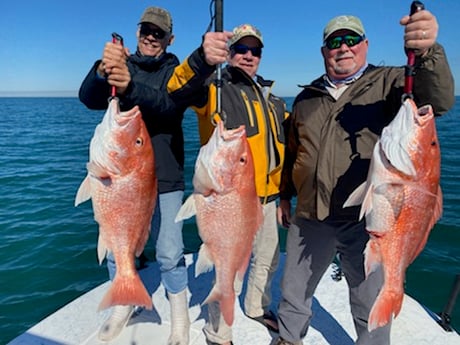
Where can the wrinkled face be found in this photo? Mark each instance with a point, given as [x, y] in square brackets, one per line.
[346, 56]
[246, 54]
[153, 41]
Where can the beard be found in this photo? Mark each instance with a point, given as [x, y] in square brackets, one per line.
[345, 69]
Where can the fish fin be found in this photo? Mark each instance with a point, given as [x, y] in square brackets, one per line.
[84, 192]
[357, 196]
[187, 210]
[437, 209]
[214, 295]
[127, 290]
[98, 171]
[386, 306]
[392, 141]
[434, 218]
[203, 263]
[372, 257]
[226, 304]
[390, 200]
[101, 249]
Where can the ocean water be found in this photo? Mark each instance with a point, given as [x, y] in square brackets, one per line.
[48, 246]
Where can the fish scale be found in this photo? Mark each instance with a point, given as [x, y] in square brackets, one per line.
[401, 202]
[228, 213]
[122, 185]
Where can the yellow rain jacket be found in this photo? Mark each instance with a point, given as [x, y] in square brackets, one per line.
[244, 102]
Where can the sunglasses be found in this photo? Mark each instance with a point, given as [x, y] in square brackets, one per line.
[349, 40]
[155, 32]
[243, 49]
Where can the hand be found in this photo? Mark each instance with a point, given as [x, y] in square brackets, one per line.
[113, 66]
[283, 213]
[215, 47]
[120, 78]
[421, 31]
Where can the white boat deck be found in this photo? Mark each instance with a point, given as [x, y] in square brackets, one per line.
[78, 322]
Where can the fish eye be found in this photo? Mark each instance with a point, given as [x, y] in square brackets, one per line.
[139, 141]
[243, 159]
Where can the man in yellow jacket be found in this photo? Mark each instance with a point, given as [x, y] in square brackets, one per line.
[247, 100]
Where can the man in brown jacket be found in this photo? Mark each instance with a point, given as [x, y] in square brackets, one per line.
[335, 124]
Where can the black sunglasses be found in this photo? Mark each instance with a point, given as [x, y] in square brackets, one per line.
[243, 49]
[349, 40]
[146, 30]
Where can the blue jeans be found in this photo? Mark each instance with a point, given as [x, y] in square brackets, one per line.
[169, 244]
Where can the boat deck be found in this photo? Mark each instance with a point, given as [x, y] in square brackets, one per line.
[79, 321]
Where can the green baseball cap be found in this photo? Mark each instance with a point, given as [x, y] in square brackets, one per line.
[343, 22]
[157, 16]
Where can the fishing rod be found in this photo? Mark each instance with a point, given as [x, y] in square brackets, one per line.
[219, 27]
[445, 314]
[116, 38]
[409, 69]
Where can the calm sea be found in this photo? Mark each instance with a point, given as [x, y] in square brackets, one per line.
[48, 247]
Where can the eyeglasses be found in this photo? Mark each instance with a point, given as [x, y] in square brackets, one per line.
[243, 49]
[147, 30]
[349, 40]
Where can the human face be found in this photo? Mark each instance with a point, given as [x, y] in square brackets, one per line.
[247, 62]
[344, 61]
[152, 41]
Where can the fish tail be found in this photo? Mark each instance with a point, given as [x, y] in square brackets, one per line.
[227, 306]
[127, 290]
[387, 305]
[214, 295]
[226, 303]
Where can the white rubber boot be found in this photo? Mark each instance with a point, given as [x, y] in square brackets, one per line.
[115, 323]
[180, 322]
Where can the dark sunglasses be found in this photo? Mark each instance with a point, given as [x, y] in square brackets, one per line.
[243, 49]
[155, 32]
[349, 40]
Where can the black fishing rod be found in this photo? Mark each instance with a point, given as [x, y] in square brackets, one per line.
[219, 27]
[445, 314]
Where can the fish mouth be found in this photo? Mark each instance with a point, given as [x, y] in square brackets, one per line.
[124, 117]
[230, 134]
[424, 114]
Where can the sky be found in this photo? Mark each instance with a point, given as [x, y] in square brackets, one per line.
[47, 47]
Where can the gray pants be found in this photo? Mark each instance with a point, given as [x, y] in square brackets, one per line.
[310, 247]
[263, 265]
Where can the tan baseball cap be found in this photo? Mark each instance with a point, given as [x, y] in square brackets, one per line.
[244, 30]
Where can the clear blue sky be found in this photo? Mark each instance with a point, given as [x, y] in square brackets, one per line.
[49, 45]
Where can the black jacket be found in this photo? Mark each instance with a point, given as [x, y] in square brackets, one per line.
[161, 112]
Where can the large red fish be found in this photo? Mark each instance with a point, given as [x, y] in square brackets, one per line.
[401, 201]
[122, 185]
[228, 212]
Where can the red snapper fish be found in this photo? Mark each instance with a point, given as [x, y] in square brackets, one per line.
[401, 201]
[228, 212]
[122, 185]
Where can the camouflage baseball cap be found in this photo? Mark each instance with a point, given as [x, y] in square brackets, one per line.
[245, 30]
[157, 16]
[351, 23]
